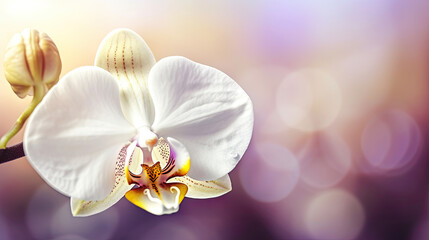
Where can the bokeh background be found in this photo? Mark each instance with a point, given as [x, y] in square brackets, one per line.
[340, 93]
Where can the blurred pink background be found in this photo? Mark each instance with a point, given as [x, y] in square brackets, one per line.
[340, 93]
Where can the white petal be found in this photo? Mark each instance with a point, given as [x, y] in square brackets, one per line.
[205, 110]
[82, 208]
[204, 189]
[127, 57]
[74, 135]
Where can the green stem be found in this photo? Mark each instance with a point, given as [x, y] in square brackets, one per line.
[39, 93]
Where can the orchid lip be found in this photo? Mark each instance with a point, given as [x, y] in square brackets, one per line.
[152, 169]
[150, 185]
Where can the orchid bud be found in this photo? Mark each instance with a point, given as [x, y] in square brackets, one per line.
[31, 59]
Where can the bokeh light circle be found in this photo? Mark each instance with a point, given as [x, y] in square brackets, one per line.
[390, 141]
[334, 214]
[270, 174]
[325, 160]
[308, 100]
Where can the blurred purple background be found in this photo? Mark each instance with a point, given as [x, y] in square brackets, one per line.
[340, 92]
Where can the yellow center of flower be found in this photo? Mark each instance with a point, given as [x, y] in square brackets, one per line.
[151, 189]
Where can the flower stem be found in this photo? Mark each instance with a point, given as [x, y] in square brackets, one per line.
[11, 153]
[39, 92]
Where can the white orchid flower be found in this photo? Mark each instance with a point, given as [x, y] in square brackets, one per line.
[186, 124]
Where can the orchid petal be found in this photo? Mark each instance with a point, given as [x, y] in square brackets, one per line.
[204, 189]
[75, 133]
[205, 110]
[82, 208]
[165, 199]
[127, 57]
